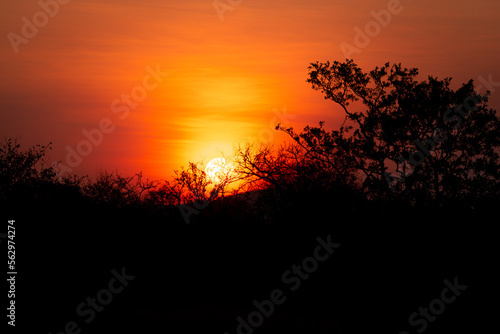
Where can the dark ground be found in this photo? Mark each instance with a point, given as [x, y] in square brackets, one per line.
[200, 278]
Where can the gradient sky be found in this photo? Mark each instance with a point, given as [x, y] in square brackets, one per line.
[227, 78]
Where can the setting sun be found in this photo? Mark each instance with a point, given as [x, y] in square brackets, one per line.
[217, 170]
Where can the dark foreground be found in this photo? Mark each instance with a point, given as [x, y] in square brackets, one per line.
[87, 268]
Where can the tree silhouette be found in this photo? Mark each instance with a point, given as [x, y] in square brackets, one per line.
[418, 140]
[166, 194]
[193, 185]
[114, 189]
[306, 165]
[20, 170]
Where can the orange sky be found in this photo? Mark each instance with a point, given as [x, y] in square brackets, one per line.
[228, 79]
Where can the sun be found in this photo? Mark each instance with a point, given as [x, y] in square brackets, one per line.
[217, 169]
